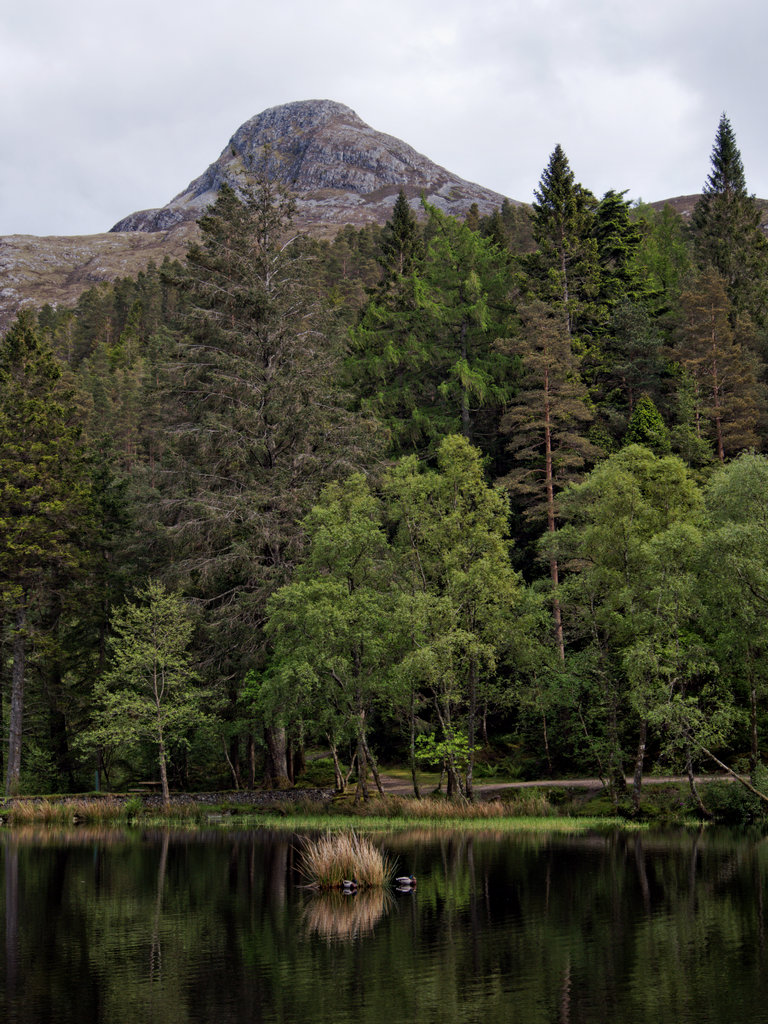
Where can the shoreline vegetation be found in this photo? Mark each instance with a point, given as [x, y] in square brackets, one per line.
[546, 807]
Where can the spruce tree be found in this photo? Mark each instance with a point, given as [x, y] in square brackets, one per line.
[564, 269]
[402, 246]
[727, 231]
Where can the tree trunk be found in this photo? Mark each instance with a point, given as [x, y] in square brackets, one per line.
[692, 784]
[232, 767]
[637, 781]
[453, 784]
[277, 762]
[251, 743]
[412, 746]
[336, 767]
[754, 754]
[19, 647]
[554, 570]
[361, 792]
[163, 770]
[374, 767]
[299, 757]
[471, 716]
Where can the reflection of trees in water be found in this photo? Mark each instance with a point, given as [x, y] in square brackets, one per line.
[156, 952]
[642, 922]
[11, 867]
[334, 915]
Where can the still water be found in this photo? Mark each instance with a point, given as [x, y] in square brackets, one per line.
[214, 926]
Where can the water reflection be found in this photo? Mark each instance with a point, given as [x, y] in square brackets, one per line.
[339, 915]
[103, 925]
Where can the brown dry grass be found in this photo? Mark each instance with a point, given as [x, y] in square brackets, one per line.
[529, 803]
[338, 856]
[64, 812]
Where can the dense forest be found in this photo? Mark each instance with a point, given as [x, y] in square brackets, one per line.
[487, 495]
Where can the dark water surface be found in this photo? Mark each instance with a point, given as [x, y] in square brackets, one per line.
[213, 926]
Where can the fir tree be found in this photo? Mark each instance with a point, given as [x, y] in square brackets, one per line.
[564, 269]
[402, 246]
[727, 231]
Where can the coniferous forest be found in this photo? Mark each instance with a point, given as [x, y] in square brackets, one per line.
[483, 495]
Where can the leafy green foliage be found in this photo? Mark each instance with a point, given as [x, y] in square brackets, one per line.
[150, 693]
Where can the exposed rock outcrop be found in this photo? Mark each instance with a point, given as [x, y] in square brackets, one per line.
[341, 170]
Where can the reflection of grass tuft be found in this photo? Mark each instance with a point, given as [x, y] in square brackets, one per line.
[335, 857]
[336, 916]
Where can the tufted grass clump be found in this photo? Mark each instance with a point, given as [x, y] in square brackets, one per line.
[530, 804]
[338, 856]
[68, 811]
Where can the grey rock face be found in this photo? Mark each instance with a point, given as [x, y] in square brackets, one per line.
[341, 170]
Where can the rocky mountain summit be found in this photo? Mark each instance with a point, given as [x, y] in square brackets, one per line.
[341, 170]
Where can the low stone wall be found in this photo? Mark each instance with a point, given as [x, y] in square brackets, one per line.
[242, 797]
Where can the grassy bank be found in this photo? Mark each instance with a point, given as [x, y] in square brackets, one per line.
[525, 811]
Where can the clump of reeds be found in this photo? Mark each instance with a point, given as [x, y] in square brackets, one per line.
[63, 812]
[336, 857]
[531, 803]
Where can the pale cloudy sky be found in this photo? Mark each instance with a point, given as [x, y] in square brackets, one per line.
[110, 106]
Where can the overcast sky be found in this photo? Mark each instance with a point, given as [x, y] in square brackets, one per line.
[111, 106]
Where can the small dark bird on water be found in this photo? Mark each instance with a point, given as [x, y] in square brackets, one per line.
[406, 881]
[349, 885]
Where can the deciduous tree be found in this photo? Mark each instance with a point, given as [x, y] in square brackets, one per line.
[149, 693]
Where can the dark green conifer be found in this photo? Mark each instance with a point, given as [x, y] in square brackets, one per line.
[564, 269]
[402, 246]
[727, 231]
[44, 500]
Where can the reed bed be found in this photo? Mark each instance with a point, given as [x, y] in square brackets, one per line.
[327, 862]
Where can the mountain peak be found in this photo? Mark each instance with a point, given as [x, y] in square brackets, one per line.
[341, 170]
